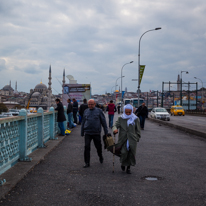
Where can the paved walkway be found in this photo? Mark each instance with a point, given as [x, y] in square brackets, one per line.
[178, 160]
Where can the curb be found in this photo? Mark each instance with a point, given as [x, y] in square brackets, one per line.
[16, 173]
[184, 129]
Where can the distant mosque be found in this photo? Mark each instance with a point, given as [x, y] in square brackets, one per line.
[41, 96]
[7, 90]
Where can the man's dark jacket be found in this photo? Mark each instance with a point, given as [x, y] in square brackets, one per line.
[82, 108]
[69, 108]
[60, 114]
[75, 106]
[92, 121]
[142, 111]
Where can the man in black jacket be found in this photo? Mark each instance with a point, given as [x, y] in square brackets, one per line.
[75, 110]
[82, 107]
[70, 114]
[93, 120]
[142, 113]
[60, 116]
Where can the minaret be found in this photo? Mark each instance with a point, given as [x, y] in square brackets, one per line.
[10, 83]
[63, 77]
[49, 89]
[16, 87]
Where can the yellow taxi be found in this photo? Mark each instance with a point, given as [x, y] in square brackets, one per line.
[177, 110]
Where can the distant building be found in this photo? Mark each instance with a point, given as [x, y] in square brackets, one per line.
[178, 83]
[7, 90]
[41, 96]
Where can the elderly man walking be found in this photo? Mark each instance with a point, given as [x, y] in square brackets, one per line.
[93, 119]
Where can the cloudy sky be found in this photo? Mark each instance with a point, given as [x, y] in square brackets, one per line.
[92, 40]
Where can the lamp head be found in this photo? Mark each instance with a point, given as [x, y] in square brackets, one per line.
[195, 77]
[131, 62]
[158, 28]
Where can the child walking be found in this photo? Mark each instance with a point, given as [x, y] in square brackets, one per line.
[129, 134]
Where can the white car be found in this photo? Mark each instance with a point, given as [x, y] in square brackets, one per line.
[160, 113]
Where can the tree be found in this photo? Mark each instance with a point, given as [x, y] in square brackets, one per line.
[3, 108]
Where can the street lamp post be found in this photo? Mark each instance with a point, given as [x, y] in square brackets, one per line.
[139, 60]
[121, 82]
[202, 92]
[116, 81]
[181, 87]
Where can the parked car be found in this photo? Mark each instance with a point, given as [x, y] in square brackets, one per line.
[177, 110]
[160, 113]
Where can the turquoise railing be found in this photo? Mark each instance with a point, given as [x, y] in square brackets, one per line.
[21, 135]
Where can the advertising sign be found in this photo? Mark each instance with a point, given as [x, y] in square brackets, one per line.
[77, 91]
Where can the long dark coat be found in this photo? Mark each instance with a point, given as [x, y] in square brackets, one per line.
[60, 114]
[131, 133]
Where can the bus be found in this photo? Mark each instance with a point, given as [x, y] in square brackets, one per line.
[134, 102]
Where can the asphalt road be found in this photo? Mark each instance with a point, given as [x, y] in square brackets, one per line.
[192, 122]
[177, 159]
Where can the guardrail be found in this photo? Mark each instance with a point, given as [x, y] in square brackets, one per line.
[21, 135]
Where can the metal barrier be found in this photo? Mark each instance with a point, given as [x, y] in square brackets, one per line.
[21, 135]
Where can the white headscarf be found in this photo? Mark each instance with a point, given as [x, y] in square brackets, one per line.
[131, 118]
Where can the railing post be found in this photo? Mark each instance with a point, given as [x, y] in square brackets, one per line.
[52, 123]
[23, 137]
[40, 126]
[66, 116]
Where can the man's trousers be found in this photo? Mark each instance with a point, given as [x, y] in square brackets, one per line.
[87, 148]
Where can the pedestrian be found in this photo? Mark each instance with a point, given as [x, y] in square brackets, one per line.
[129, 134]
[93, 119]
[70, 114]
[60, 116]
[142, 113]
[75, 110]
[118, 108]
[111, 108]
[82, 107]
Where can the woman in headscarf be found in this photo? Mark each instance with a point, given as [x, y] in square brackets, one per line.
[129, 134]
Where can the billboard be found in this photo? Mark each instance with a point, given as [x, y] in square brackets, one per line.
[77, 91]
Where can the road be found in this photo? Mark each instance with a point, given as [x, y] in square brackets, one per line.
[192, 122]
[175, 158]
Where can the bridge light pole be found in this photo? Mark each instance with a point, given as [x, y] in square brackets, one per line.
[139, 60]
[121, 82]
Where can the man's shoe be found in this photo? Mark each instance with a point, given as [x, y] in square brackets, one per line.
[128, 170]
[123, 168]
[101, 159]
[61, 135]
[86, 165]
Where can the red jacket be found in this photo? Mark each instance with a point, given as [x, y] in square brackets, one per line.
[111, 108]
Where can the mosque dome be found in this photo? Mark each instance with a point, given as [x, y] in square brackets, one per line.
[45, 99]
[7, 88]
[35, 94]
[41, 86]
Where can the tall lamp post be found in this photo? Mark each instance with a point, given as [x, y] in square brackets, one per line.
[139, 60]
[181, 87]
[202, 92]
[116, 81]
[121, 81]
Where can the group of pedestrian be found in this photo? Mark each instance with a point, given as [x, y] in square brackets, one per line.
[92, 121]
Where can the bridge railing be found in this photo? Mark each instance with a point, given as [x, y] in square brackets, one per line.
[21, 135]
